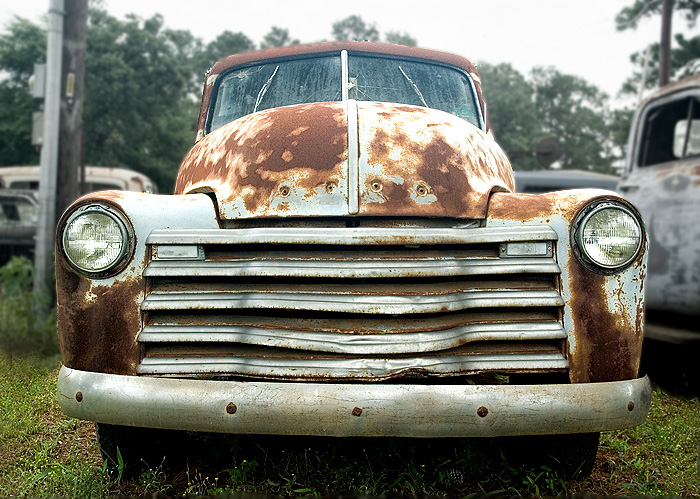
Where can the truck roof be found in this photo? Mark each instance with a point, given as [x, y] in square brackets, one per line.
[685, 83]
[331, 47]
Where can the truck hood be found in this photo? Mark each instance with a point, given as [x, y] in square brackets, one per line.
[340, 159]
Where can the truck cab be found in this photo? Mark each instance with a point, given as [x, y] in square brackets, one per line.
[344, 255]
[662, 178]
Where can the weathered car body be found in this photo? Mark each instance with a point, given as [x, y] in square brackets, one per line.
[541, 181]
[97, 178]
[18, 222]
[350, 267]
[662, 178]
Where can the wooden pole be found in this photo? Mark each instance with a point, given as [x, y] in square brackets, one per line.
[665, 45]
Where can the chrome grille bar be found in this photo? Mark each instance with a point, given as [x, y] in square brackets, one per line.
[352, 236]
[267, 267]
[343, 343]
[350, 303]
[352, 368]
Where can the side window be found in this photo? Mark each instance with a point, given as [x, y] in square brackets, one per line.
[671, 132]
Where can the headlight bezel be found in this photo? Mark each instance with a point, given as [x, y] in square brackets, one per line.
[127, 235]
[577, 230]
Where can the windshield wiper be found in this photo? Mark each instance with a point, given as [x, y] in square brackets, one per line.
[264, 89]
[415, 87]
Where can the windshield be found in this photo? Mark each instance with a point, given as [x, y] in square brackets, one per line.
[319, 79]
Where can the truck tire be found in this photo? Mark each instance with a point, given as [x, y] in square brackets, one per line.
[571, 456]
[127, 450]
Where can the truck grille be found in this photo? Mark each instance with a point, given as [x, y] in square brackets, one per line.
[369, 303]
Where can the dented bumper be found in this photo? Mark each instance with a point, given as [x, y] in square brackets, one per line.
[353, 409]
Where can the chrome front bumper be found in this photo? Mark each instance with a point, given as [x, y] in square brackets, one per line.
[352, 409]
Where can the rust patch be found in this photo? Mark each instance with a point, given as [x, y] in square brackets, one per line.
[608, 348]
[247, 159]
[98, 334]
[423, 153]
[521, 207]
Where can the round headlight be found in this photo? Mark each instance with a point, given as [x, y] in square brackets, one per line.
[609, 236]
[95, 239]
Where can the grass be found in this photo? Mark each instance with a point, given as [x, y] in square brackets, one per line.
[44, 454]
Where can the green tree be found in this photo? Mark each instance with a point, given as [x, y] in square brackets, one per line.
[21, 46]
[398, 38]
[278, 37]
[355, 28]
[223, 45]
[685, 55]
[512, 113]
[629, 17]
[138, 110]
[685, 61]
[576, 113]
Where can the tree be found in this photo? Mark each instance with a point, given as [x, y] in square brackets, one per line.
[685, 57]
[629, 17]
[512, 113]
[574, 112]
[400, 39]
[21, 46]
[354, 28]
[138, 109]
[225, 44]
[277, 37]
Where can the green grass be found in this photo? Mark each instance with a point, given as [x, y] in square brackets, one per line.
[44, 454]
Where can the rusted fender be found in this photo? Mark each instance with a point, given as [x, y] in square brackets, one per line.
[604, 314]
[98, 319]
[296, 161]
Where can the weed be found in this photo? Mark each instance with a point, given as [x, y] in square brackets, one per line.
[242, 475]
[22, 332]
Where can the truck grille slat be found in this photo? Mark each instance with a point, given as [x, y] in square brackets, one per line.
[394, 343]
[351, 303]
[353, 236]
[367, 303]
[353, 368]
[350, 268]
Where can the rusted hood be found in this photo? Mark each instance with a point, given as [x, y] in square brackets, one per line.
[295, 161]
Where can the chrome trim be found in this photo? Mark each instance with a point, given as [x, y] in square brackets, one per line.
[445, 266]
[352, 303]
[383, 343]
[352, 236]
[365, 368]
[353, 158]
[328, 409]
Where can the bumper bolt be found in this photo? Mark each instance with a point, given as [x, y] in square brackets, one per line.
[231, 408]
[482, 411]
[357, 411]
[79, 396]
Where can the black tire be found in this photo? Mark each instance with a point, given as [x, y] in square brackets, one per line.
[128, 450]
[571, 456]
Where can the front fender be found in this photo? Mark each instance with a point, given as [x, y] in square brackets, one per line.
[99, 318]
[604, 314]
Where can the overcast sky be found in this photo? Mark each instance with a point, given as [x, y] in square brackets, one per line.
[576, 36]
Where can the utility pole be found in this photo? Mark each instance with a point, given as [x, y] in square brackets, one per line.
[71, 144]
[49, 151]
[665, 45]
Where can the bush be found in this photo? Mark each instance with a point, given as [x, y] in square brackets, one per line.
[27, 320]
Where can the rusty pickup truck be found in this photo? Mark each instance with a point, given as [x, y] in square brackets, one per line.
[345, 255]
[662, 177]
